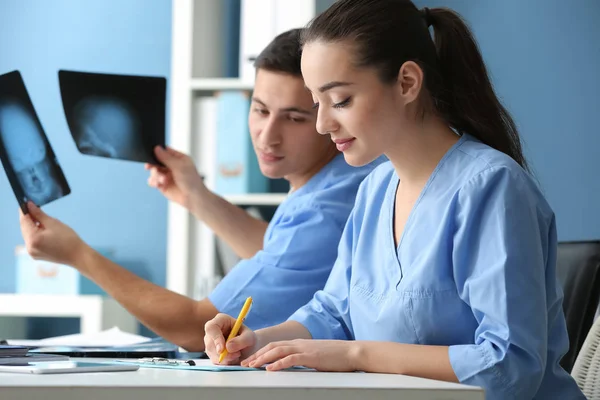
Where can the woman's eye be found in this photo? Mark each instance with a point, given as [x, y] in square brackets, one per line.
[342, 104]
[315, 105]
[261, 111]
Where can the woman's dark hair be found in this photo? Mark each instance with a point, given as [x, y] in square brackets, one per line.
[388, 33]
[283, 54]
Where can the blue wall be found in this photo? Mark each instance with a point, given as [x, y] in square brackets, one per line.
[111, 205]
[544, 58]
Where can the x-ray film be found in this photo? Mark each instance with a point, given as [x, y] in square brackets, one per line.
[27, 157]
[115, 116]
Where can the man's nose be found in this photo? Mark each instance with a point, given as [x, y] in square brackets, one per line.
[271, 133]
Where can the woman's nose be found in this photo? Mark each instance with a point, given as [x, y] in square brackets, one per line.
[325, 122]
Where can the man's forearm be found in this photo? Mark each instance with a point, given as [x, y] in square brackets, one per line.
[174, 317]
[244, 233]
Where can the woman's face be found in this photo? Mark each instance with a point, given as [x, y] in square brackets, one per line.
[362, 115]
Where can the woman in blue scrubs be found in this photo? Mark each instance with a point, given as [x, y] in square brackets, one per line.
[446, 267]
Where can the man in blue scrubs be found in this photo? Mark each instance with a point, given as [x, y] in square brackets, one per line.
[284, 262]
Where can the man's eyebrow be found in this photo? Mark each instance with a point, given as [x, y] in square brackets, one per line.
[296, 109]
[259, 101]
[286, 109]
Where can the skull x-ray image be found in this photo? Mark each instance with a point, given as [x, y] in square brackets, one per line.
[115, 116]
[27, 157]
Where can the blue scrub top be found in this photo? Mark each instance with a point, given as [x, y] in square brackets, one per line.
[299, 250]
[474, 270]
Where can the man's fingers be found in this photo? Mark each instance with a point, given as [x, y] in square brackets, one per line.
[27, 223]
[159, 177]
[36, 213]
[159, 180]
[166, 157]
[174, 153]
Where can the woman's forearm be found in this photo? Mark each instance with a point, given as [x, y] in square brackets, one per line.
[423, 361]
[289, 330]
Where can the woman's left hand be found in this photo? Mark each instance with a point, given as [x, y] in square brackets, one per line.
[322, 355]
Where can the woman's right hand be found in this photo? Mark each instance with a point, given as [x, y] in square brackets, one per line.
[178, 180]
[239, 348]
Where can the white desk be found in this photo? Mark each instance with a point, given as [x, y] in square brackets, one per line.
[162, 384]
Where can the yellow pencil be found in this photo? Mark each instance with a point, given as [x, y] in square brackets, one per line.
[236, 326]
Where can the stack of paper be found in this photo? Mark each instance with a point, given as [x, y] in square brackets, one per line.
[18, 355]
[13, 351]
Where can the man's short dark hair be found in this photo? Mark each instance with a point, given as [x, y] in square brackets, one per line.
[282, 54]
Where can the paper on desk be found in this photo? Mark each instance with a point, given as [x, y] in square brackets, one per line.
[198, 367]
[109, 337]
[201, 365]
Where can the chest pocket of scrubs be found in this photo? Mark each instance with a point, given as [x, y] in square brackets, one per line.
[381, 316]
[440, 317]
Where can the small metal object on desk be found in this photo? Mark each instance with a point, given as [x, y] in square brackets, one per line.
[166, 361]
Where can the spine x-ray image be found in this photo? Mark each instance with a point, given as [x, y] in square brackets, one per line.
[115, 116]
[27, 157]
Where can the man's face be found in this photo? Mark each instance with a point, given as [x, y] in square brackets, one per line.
[282, 127]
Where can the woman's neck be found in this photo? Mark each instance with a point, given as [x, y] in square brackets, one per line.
[419, 150]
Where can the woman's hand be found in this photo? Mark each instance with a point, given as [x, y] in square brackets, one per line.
[216, 332]
[322, 355]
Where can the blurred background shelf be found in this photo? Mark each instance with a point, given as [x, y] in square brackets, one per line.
[96, 313]
[213, 45]
[207, 86]
[257, 199]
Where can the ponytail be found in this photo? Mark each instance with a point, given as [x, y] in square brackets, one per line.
[466, 98]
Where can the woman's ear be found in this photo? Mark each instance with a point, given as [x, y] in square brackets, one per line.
[410, 81]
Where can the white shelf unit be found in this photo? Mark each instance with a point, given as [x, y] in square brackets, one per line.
[207, 86]
[96, 313]
[196, 71]
[258, 199]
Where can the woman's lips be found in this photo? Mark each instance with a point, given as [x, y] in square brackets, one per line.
[343, 144]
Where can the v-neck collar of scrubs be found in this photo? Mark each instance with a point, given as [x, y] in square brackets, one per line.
[391, 202]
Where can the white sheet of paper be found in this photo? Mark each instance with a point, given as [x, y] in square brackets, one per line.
[109, 337]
